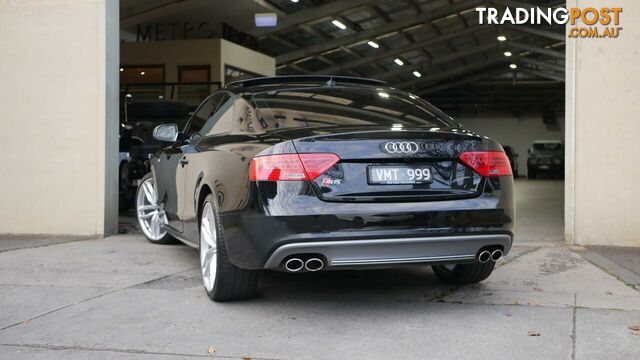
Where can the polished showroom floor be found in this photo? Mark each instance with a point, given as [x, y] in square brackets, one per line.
[122, 297]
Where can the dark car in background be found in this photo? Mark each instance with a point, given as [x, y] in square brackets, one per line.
[137, 146]
[546, 157]
[513, 158]
[314, 173]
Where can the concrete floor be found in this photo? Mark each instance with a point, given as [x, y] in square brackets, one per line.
[122, 297]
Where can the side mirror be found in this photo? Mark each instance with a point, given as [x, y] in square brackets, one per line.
[166, 133]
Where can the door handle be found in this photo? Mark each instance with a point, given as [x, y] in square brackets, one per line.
[184, 161]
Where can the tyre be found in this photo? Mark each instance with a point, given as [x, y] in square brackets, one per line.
[222, 280]
[463, 273]
[150, 213]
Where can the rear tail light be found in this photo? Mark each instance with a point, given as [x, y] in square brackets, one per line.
[291, 167]
[487, 163]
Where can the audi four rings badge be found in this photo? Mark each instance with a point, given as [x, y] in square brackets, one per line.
[403, 147]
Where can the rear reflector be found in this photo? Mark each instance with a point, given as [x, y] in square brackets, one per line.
[487, 163]
[290, 167]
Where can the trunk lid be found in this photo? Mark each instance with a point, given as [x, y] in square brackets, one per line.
[373, 158]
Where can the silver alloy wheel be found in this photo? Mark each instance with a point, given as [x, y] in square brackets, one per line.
[151, 215]
[208, 246]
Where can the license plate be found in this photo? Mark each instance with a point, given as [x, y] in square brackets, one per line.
[399, 175]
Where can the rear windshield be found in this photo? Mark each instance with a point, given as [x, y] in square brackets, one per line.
[547, 146]
[346, 106]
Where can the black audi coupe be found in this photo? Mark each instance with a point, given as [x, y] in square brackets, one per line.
[314, 173]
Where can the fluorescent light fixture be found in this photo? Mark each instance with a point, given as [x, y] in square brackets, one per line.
[373, 44]
[398, 61]
[507, 53]
[502, 38]
[417, 74]
[266, 19]
[339, 25]
[383, 94]
[513, 66]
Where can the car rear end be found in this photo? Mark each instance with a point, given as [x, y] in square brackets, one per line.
[370, 177]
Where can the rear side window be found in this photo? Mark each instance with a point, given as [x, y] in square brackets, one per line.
[221, 119]
[346, 106]
[202, 114]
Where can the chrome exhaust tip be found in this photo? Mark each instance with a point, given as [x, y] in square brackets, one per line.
[484, 257]
[496, 255]
[294, 265]
[314, 264]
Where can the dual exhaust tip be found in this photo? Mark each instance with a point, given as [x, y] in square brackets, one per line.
[296, 264]
[486, 255]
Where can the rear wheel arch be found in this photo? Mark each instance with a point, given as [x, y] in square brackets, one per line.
[201, 197]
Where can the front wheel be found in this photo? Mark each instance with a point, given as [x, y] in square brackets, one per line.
[222, 280]
[151, 215]
[460, 274]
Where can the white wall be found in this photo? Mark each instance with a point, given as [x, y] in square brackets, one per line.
[603, 132]
[58, 142]
[246, 59]
[518, 133]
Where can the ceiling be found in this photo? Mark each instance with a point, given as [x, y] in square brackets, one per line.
[462, 64]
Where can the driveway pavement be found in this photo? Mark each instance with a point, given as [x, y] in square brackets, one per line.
[122, 297]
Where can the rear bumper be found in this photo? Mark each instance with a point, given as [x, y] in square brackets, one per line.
[288, 219]
[382, 252]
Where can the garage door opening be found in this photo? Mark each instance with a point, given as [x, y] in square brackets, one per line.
[503, 82]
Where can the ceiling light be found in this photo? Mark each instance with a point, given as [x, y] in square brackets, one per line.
[513, 66]
[121, 69]
[507, 53]
[266, 19]
[417, 74]
[373, 44]
[502, 38]
[142, 73]
[294, 1]
[413, 96]
[383, 94]
[398, 61]
[339, 25]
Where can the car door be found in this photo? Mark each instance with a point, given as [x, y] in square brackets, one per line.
[167, 184]
[176, 200]
[170, 165]
[198, 163]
